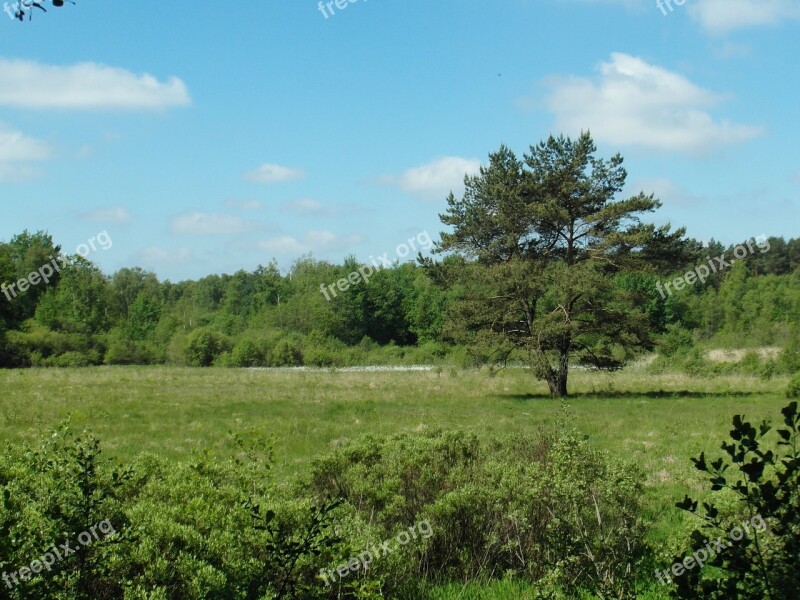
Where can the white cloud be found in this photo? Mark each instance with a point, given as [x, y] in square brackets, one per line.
[717, 17]
[313, 241]
[114, 214]
[244, 204]
[437, 178]
[272, 173]
[286, 245]
[29, 84]
[720, 17]
[16, 151]
[17, 173]
[15, 146]
[314, 208]
[327, 241]
[665, 190]
[199, 223]
[636, 103]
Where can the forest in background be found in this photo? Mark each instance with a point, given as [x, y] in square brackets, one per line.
[402, 315]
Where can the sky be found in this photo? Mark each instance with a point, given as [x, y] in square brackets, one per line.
[209, 137]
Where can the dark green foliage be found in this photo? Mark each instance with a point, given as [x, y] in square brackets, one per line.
[675, 339]
[52, 494]
[552, 257]
[548, 509]
[789, 359]
[765, 563]
[203, 346]
[411, 314]
[123, 350]
[35, 345]
[219, 527]
[182, 532]
[793, 389]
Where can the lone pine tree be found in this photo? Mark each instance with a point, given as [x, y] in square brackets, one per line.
[546, 263]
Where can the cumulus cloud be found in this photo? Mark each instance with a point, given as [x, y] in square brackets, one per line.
[15, 146]
[200, 223]
[720, 17]
[17, 150]
[29, 84]
[717, 17]
[272, 173]
[665, 190]
[113, 214]
[284, 245]
[636, 103]
[312, 241]
[436, 178]
[314, 208]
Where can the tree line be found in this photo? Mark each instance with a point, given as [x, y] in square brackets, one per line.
[541, 264]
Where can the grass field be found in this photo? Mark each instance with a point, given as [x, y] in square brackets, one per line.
[658, 421]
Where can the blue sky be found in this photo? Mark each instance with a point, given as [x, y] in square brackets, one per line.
[210, 137]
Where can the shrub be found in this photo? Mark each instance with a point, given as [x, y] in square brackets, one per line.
[674, 340]
[202, 346]
[287, 352]
[123, 350]
[75, 359]
[765, 562]
[34, 341]
[548, 509]
[54, 493]
[789, 358]
[248, 353]
[322, 351]
[793, 389]
[209, 529]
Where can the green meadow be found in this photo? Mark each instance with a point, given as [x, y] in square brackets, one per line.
[657, 420]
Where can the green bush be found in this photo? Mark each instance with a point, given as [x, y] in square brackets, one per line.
[203, 346]
[287, 352]
[248, 353]
[762, 561]
[676, 339]
[793, 389]
[52, 494]
[550, 509]
[122, 350]
[75, 359]
[322, 351]
[209, 529]
[789, 359]
[35, 341]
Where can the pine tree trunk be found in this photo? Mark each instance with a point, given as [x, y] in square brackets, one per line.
[557, 379]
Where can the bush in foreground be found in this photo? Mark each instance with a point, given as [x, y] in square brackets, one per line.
[761, 561]
[549, 510]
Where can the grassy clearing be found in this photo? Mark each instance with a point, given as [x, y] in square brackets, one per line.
[657, 421]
